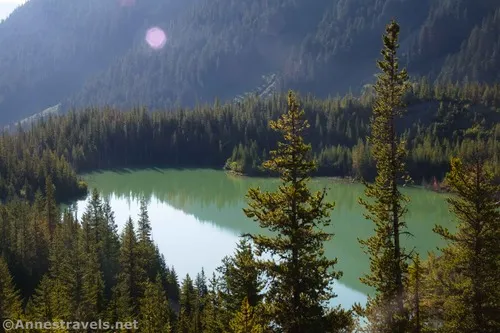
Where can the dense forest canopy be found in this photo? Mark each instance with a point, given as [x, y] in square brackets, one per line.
[91, 53]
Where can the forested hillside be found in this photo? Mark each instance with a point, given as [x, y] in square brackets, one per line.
[83, 53]
[49, 48]
[442, 121]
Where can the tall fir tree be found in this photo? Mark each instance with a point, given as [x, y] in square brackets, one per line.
[174, 289]
[414, 292]
[111, 249]
[10, 302]
[5, 238]
[92, 254]
[132, 278]
[388, 261]
[51, 208]
[41, 239]
[144, 224]
[65, 268]
[214, 320]
[93, 301]
[148, 256]
[154, 309]
[41, 305]
[200, 300]
[247, 320]
[187, 323]
[472, 259]
[301, 280]
[240, 278]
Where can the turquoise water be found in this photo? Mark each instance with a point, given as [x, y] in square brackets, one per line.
[197, 218]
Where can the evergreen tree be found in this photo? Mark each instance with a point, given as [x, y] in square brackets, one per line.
[51, 208]
[186, 323]
[4, 232]
[132, 278]
[214, 320]
[144, 229]
[111, 249]
[95, 231]
[386, 311]
[65, 268]
[154, 309]
[93, 259]
[41, 307]
[201, 299]
[40, 241]
[240, 278]
[10, 303]
[174, 289]
[148, 256]
[414, 293]
[301, 281]
[246, 320]
[472, 259]
[120, 305]
[93, 302]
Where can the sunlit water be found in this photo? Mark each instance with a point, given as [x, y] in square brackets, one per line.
[197, 218]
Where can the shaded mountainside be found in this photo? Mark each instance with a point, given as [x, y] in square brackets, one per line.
[49, 48]
[82, 53]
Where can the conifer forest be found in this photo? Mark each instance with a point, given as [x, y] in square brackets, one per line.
[429, 115]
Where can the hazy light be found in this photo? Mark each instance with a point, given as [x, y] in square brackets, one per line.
[156, 38]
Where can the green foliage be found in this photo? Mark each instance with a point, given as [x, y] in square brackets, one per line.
[301, 280]
[414, 294]
[362, 160]
[187, 323]
[388, 268]
[10, 302]
[110, 248]
[215, 316]
[92, 293]
[51, 210]
[40, 307]
[148, 254]
[240, 278]
[471, 259]
[247, 320]
[154, 309]
[66, 268]
[132, 275]
[26, 169]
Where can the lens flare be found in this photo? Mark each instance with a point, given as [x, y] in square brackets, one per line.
[156, 38]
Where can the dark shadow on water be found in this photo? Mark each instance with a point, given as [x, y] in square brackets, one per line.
[157, 168]
[69, 201]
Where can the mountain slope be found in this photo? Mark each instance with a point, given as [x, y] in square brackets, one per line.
[49, 48]
[92, 52]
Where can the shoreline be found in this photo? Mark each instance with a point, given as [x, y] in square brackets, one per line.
[344, 180]
[437, 188]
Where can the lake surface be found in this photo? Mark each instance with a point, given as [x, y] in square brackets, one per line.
[197, 218]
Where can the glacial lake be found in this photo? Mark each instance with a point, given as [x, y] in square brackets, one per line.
[197, 218]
